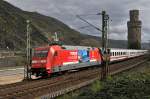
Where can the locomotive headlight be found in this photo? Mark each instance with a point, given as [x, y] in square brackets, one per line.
[34, 61]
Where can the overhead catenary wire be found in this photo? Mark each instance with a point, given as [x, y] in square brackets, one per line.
[90, 24]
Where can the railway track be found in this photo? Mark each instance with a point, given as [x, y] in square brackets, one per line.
[57, 86]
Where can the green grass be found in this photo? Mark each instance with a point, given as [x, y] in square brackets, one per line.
[96, 86]
[134, 84]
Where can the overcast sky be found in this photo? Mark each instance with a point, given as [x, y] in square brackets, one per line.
[66, 11]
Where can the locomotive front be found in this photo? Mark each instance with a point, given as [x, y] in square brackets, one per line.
[44, 59]
[39, 60]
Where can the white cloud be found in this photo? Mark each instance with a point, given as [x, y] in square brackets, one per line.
[66, 10]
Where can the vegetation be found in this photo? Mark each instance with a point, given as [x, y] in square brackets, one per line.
[20, 61]
[135, 85]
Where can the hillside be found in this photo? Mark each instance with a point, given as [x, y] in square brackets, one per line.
[13, 30]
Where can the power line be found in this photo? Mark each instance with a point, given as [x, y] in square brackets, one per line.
[78, 16]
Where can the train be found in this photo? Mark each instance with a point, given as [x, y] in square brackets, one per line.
[54, 59]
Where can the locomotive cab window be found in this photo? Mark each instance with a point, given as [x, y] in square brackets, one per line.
[40, 53]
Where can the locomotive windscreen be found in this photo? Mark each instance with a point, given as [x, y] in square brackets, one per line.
[41, 53]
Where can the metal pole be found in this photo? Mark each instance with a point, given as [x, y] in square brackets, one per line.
[104, 30]
[104, 72]
[149, 44]
[27, 74]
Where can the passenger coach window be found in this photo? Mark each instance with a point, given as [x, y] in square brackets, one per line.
[124, 53]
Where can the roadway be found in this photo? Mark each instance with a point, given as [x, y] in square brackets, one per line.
[11, 75]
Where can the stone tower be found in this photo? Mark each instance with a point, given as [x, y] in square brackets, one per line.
[134, 30]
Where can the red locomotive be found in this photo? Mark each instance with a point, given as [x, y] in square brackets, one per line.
[55, 58]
